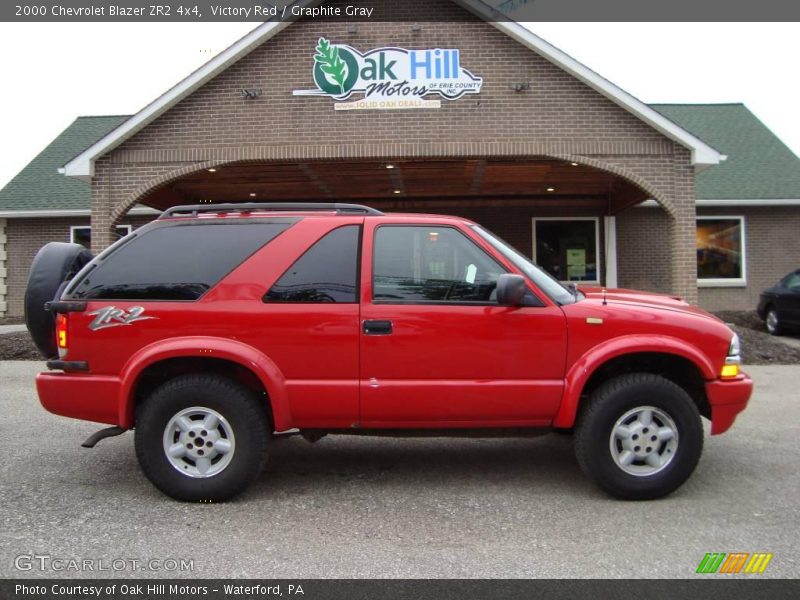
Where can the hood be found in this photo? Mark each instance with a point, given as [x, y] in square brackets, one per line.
[649, 299]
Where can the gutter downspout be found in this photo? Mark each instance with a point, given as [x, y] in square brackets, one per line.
[3, 270]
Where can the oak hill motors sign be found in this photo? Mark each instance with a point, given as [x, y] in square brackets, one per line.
[389, 78]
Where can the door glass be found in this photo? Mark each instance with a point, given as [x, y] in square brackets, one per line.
[567, 249]
[417, 264]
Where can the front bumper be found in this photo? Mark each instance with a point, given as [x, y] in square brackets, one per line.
[80, 396]
[727, 398]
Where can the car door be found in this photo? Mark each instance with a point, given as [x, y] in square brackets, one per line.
[436, 348]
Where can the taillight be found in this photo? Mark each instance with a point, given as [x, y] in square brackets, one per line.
[61, 331]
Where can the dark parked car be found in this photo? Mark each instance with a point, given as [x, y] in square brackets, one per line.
[779, 306]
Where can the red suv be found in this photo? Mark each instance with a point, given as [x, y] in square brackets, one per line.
[218, 327]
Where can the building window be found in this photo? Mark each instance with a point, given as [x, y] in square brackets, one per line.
[568, 249]
[83, 234]
[720, 251]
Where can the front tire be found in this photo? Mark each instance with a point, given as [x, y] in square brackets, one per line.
[201, 438]
[772, 321]
[640, 437]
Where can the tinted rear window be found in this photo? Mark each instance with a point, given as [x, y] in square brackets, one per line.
[179, 262]
[327, 272]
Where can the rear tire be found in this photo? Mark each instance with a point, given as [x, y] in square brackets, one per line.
[640, 437]
[201, 438]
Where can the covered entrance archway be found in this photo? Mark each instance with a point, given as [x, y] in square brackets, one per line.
[404, 183]
[559, 211]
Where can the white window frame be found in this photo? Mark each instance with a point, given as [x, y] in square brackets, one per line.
[73, 228]
[726, 282]
[597, 254]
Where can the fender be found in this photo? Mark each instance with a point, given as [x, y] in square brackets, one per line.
[586, 365]
[206, 347]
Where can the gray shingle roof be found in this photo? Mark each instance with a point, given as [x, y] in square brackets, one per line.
[39, 186]
[759, 164]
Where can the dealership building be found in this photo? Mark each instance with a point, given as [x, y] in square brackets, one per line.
[453, 114]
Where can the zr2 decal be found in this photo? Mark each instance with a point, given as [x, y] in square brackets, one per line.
[111, 316]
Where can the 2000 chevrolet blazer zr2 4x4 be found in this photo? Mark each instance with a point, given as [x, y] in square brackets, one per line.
[215, 328]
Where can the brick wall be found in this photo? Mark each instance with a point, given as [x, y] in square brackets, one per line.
[25, 237]
[557, 108]
[643, 249]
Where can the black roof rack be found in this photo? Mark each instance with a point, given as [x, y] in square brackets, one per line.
[195, 209]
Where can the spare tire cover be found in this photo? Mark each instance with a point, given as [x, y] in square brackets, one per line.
[53, 265]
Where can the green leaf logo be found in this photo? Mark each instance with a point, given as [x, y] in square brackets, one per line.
[331, 64]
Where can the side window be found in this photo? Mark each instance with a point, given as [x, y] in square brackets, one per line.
[327, 272]
[418, 264]
[176, 262]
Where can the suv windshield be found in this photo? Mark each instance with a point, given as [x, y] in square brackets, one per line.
[543, 280]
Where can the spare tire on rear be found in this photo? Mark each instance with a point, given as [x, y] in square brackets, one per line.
[54, 265]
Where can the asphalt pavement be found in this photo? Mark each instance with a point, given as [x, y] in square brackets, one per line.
[373, 507]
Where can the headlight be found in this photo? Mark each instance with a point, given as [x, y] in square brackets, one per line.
[732, 361]
[735, 348]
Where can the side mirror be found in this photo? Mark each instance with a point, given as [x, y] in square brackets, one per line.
[510, 289]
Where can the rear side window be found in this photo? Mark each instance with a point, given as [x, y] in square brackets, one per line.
[179, 262]
[327, 272]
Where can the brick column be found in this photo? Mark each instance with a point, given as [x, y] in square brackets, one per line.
[683, 233]
[102, 228]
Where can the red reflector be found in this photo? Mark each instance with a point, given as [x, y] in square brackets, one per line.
[61, 331]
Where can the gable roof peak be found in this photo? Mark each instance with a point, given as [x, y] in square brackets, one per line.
[703, 155]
